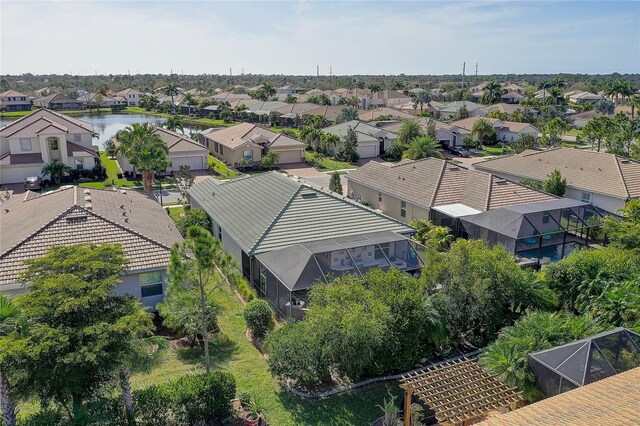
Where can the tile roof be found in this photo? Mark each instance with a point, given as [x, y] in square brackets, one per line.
[9, 159]
[271, 211]
[178, 142]
[74, 215]
[433, 182]
[12, 93]
[41, 115]
[591, 171]
[424, 123]
[55, 98]
[129, 92]
[611, 401]
[511, 126]
[373, 114]
[243, 133]
[365, 132]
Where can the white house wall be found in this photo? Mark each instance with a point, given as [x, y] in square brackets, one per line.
[390, 205]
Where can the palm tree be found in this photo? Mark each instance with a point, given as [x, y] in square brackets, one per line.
[143, 355]
[492, 93]
[409, 130]
[56, 170]
[420, 98]
[544, 85]
[423, 147]
[329, 141]
[482, 128]
[556, 95]
[145, 150]
[243, 163]
[374, 87]
[189, 100]
[320, 121]
[633, 102]
[11, 321]
[269, 159]
[171, 89]
[395, 150]
[268, 90]
[175, 123]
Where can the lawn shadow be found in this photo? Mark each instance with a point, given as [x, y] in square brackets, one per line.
[221, 349]
[358, 407]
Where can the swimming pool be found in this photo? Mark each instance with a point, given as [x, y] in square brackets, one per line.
[554, 253]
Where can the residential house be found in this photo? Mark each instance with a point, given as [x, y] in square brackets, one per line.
[582, 97]
[183, 151]
[57, 101]
[97, 100]
[288, 236]
[12, 100]
[330, 112]
[75, 215]
[372, 141]
[580, 119]
[604, 180]
[512, 97]
[41, 93]
[434, 189]
[42, 137]
[506, 131]
[449, 110]
[294, 114]
[289, 90]
[251, 142]
[132, 96]
[446, 134]
[510, 109]
[230, 97]
[388, 98]
[384, 112]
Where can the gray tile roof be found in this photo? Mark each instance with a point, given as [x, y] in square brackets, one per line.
[43, 117]
[365, 132]
[32, 223]
[271, 211]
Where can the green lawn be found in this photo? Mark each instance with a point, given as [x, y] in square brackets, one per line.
[232, 352]
[112, 175]
[222, 168]
[331, 164]
[175, 213]
[15, 114]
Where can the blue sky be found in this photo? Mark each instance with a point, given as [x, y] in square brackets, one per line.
[356, 37]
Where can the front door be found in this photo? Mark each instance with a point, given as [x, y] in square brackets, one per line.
[54, 148]
[381, 153]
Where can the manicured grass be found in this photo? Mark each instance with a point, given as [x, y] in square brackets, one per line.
[15, 114]
[112, 175]
[331, 164]
[222, 168]
[232, 352]
[175, 213]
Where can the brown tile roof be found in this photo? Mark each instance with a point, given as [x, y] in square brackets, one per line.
[611, 401]
[373, 114]
[12, 93]
[32, 223]
[511, 126]
[433, 182]
[177, 142]
[61, 120]
[238, 135]
[585, 170]
[424, 123]
[73, 149]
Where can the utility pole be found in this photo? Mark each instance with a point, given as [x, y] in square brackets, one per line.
[318, 71]
[330, 71]
[464, 64]
[476, 73]
[230, 72]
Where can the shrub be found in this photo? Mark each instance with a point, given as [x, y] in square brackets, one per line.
[240, 284]
[203, 396]
[259, 317]
[152, 405]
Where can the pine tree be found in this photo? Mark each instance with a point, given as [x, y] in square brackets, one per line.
[334, 183]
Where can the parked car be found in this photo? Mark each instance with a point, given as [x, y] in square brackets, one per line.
[460, 152]
[33, 182]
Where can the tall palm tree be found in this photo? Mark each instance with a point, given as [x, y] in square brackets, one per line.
[409, 130]
[556, 94]
[56, 170]
[374, 87]
[11, 321]
[420, 98]
[268, 90]
[329, 142]
[145, 150]
[171, 89]
[492, 93]
[482, 128]
[634, 102]
[320, 121]
[544, 85]
[423, 147]
[175, 123]
[190, 100]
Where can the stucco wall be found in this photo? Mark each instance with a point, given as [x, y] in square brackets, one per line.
[390, 205]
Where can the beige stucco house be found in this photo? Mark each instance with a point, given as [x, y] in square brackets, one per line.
[41, 137]
[12, 100]
[506, 131]
[251, 142]
[132, 96]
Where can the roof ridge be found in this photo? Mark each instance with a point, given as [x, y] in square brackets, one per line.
[88, 150]
[275, 219]
[624, 184]
[489, 190]
[438, 182]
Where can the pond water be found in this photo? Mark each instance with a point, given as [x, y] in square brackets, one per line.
[107, 125]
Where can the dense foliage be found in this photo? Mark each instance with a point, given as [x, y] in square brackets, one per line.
[506, 358]
[355, 327]
[259, 317]
[482, 290]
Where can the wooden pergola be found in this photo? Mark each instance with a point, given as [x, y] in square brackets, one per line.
[458, 392]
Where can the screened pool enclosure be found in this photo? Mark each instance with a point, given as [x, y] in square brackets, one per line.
[284, 276]
[540, 232]
[584, 361]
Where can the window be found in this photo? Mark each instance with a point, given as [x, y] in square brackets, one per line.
[545, 217]
[403, 209]
[53, 144]
[380, 196]
[25, 144]
[221, 150]
[77, 137]
[247, 154]
[586, 197]
[220, 233]
[151, 284]
[79, 164]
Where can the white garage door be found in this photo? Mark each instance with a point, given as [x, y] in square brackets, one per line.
[18, 173]
[367, 151]
[194, 162]
[287, 157]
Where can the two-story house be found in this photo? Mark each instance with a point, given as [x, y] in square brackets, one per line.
[14, 101]
[132, 96]
[40, 138]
